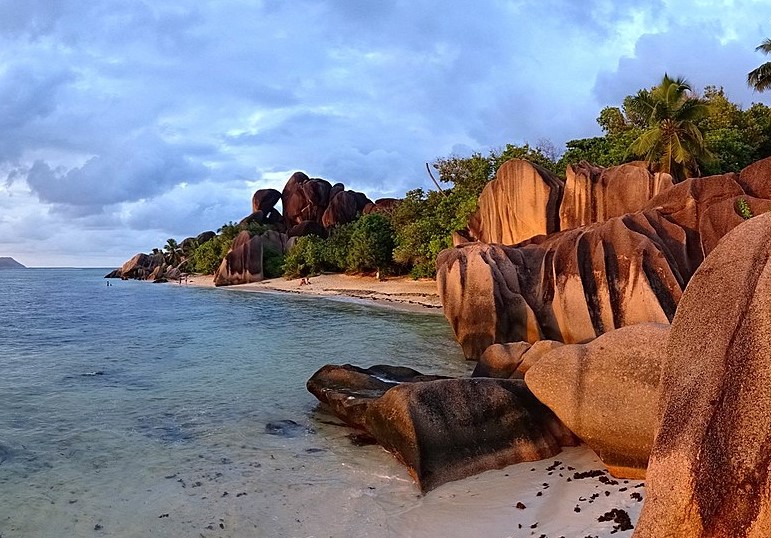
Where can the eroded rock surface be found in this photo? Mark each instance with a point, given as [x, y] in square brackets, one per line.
[442, 429]
[349, 390]
[450, 429]
[574, 285]
[243, 264]
[521, 202]
[501, 360]
[606, 392]
[594, 194]
[709, 468]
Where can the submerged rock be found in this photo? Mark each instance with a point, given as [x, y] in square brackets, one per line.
[709, 469]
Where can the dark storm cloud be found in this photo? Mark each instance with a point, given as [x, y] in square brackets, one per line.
[141, 169]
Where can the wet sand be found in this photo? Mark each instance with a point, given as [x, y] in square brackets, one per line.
[571, 495]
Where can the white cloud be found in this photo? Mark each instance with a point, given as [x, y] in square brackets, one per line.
[123, 124]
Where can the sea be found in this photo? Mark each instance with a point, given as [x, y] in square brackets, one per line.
[140, 409]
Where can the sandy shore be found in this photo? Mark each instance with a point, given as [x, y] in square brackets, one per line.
[403, 293]
[571, 495]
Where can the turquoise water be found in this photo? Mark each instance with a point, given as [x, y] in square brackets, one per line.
[141, 410]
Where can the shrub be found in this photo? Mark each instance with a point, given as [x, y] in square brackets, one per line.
[371, 245]
[743, 208]
[305, 257]
[336, 247]
[272, 263]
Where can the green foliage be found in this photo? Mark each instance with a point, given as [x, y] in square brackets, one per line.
[420, 232]
[272, 263]
[759, 78]
[207, 257]
[731, 138]
[743, 208]
[371, 244]
[608, 150]
[336, 248]
[305, 258]
[672, 137]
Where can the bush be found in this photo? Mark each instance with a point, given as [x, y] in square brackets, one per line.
[336, 247]
[272, 263]
[371, 245]
[207, 257]
[305, 258]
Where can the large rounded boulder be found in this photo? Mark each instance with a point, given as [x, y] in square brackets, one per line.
[450, 429]
[594, 194]
[709, 469]
[606, 392]
[243, 263]
[521, 202]
[264, 200]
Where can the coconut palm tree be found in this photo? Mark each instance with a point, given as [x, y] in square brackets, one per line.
[173, 252]
[672, 137]
[759, 79]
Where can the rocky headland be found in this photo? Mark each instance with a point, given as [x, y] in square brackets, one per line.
[7, 262]
[634, 309]
[613, 307]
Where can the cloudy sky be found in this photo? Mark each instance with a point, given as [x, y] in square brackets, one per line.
[126, 122]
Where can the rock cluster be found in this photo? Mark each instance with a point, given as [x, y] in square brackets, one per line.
[709, 469]
[311, 207]
[442, 429]
[577, 284]
[317, 205]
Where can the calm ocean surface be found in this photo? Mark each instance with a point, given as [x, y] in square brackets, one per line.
[140, 410]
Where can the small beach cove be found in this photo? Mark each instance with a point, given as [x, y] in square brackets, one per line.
[402, 293]
[193, 420]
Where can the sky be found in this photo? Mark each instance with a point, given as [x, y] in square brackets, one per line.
[127, 122]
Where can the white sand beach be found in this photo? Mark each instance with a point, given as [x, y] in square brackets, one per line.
[403, 292]
[570, 495]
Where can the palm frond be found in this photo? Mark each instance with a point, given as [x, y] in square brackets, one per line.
[759, 78]
[646, 144]
[764, 47]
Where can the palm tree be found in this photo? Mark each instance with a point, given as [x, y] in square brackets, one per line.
[672, 137]
[173, 252]
[759, 79]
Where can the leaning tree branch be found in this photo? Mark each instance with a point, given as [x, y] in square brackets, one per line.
[428, 169]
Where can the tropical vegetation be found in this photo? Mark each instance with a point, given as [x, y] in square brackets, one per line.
[668, 125]
[760, 78]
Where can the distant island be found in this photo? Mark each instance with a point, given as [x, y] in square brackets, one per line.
[9, 263]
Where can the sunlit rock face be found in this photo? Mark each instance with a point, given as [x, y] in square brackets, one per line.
[709, 468]
[594, 194]
[606, 392]
[574, 285]
[521, 202]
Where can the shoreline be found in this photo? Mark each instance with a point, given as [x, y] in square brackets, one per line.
[399, 293]
[570, 494]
